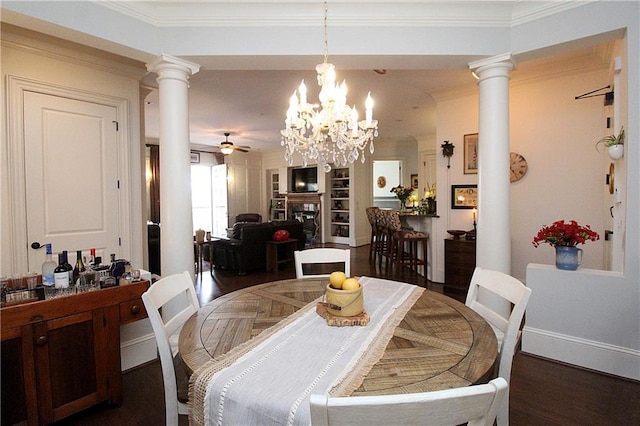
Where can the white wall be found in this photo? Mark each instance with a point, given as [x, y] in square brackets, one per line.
[556, 134]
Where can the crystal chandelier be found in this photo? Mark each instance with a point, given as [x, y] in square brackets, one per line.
[329, 132]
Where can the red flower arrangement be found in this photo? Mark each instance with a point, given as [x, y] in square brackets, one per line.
[561, 233]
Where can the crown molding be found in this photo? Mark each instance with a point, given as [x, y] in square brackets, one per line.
[349, 13]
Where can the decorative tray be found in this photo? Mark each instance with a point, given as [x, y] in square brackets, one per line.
[336, 321]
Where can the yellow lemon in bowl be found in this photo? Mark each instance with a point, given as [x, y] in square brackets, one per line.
[337, 278]
[350, 284]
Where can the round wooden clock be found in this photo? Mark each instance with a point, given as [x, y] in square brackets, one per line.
[518, 167]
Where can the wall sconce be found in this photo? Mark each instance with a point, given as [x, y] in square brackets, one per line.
[447, 151]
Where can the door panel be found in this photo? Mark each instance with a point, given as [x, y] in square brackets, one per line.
[71, 175]
[69, 377]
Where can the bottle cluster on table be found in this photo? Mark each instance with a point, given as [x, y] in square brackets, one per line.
[61, 279]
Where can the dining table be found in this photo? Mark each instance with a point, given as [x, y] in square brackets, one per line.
[437, 343]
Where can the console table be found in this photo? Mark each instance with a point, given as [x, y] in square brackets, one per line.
[62, 355]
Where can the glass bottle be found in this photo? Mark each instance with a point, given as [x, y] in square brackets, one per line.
[79, 267]
[92, 258]
[68, 265]
[61, 273]
[48, 267]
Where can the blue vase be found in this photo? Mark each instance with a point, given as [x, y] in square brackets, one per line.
[568, 258]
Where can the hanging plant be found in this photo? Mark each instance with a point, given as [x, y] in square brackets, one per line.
[612, 140]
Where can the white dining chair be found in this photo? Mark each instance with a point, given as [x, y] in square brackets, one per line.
[170, 302]
[477, 405]
[320, 256]
[506, 328]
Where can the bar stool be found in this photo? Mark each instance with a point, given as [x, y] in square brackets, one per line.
[403, 247]
[376, 245]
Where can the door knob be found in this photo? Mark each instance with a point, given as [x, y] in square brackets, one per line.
[36, 245]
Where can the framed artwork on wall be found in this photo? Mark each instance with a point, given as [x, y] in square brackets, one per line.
[414, 181]
[464, 196]
[471, 153]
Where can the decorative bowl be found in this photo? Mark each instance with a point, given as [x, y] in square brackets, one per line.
[457, 233]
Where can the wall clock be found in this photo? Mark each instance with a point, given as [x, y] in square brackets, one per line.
[518, 167]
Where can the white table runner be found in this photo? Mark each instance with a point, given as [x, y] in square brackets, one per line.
[268, 380]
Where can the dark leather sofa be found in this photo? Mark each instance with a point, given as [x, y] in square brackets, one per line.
[246, 250]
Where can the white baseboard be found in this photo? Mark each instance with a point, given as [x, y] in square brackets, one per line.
[137, 351]
[616, 360]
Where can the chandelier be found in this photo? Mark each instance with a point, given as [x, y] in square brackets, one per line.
[329, 132]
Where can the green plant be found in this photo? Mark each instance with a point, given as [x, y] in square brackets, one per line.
[612, 140]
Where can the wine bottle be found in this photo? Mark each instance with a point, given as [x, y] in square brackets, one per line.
[92, 258]
[79, 267]
[68, 265]
[48, 267]
[61, 273]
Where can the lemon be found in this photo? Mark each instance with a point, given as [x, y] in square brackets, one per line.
[350, 284]
[336, 279]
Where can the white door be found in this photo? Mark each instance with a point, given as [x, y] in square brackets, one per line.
[71, 183]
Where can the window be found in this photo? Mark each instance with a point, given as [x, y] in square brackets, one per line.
[209, 199]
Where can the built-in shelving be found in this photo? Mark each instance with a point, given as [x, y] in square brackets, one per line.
[277, 206]
[340, 212]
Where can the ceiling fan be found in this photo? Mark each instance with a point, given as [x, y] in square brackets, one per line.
[227, 147]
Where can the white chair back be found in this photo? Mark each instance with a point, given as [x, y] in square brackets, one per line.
[507, 328]
[170, 302]
[322, 256]
[477, 405]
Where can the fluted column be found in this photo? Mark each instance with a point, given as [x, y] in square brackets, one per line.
[493, 242]
[176, 241]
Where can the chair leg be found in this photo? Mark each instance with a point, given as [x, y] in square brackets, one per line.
[503, 412]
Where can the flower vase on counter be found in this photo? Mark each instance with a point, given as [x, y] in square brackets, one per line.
[403, 195]
[431, 206]
[568, 258]
[564, 237]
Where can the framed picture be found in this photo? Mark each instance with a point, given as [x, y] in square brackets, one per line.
[414, 181]
[464, 196]
[471, 154]
[195, 157]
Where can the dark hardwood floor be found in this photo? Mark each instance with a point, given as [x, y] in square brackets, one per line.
[543, 392]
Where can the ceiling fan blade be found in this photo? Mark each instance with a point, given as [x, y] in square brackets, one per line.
[237, 148]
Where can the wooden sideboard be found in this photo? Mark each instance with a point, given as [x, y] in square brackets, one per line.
[459, 263]
[62, 355]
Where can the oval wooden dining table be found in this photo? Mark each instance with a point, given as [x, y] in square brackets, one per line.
[440, 343]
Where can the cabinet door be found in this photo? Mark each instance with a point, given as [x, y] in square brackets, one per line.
[19, 396]
[70, 363]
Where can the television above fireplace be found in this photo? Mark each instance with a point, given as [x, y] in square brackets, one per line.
[304, 179]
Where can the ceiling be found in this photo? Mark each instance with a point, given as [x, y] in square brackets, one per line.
[251, 105]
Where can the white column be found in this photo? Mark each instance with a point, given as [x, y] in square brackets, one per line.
[176, 241]
[493, 242]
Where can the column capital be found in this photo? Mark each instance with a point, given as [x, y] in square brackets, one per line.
[170, 63]
[498, 65]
